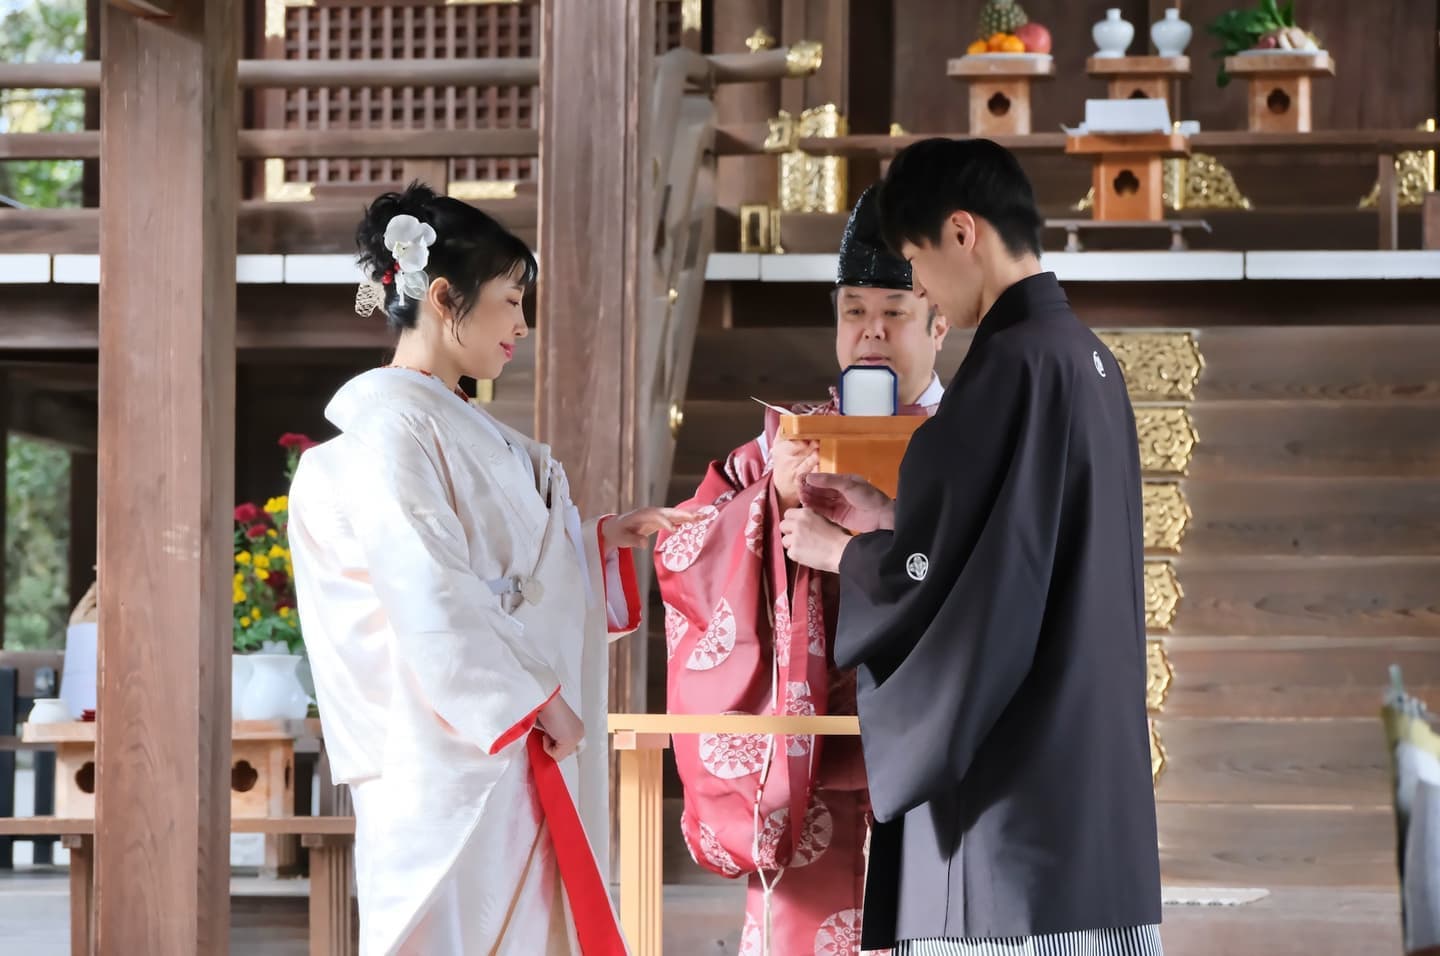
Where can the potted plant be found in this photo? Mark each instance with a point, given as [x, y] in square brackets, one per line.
[265, 683]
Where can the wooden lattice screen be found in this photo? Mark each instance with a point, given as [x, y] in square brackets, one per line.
[351, 30]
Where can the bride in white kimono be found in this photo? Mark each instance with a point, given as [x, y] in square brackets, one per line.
[455, 612]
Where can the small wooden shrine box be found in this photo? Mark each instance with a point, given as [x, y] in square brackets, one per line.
[1000, 87]
[262, 766]
[1129, 175]
[1280, 86]
[869, 446]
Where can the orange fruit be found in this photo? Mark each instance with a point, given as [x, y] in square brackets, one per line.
[996, 43]
[979, 46]
[1012, 45]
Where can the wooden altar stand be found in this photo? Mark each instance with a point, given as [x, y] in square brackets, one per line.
[865, 445]
[1000, 89]
[1140, 77]
[1129, 175]
[1279, 99]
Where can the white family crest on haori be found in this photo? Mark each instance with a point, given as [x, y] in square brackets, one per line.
[1099, 365]
[409, 241]
[917, 566]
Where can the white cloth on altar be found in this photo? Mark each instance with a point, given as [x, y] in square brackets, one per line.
[427, 679]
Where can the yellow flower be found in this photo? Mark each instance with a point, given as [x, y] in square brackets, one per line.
[277, 552]
[281, 503]
[285, 612]
[273, 533]
[244, 622]
[243, 557]
[263, 575]
[255, 614]
[262, 563]
[239, 595]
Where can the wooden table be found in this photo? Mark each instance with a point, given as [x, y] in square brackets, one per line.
[641, 740]
[329, 839]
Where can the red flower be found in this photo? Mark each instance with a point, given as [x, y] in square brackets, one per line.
[293, 441]
[248, 512]
[277, 582]
[256, 531]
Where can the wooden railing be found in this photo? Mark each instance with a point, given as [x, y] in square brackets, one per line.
[640, 741]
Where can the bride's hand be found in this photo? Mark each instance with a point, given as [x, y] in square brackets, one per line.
[634, 529]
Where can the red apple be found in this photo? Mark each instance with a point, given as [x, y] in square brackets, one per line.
[1035, 37]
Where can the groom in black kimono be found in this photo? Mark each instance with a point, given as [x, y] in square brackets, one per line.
[995, 608]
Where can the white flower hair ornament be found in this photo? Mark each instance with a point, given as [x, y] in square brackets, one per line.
[409, 241]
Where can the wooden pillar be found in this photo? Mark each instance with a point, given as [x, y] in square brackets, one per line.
[169, 179]
[595, 199]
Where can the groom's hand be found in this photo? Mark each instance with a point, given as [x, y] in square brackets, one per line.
[849, 501]
[813, 541]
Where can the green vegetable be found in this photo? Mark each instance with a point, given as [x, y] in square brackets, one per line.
[1240, 30]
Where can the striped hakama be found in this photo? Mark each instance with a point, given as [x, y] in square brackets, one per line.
[1122, 941]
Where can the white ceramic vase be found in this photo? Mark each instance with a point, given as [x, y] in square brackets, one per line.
[273, 691]
[1112, 35]
[241, 668]
[1170, 34]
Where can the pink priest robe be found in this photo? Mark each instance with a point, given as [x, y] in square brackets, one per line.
[749, 632]
[447, 591]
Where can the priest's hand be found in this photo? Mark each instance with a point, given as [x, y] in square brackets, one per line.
[633, 530]
[790, 462]
[562, 727]
[813, 541]
[849, 501]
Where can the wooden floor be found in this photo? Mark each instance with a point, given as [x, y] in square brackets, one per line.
[269, 919]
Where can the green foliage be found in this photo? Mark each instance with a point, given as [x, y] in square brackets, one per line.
[37, 534]
[42, 32]
[1240, 30]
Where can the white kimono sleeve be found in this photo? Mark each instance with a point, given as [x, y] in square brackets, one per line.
[622, 592]
[461, 648]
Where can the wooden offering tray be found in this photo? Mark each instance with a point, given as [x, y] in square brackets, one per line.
[1000, 89]
[1139, 77]
[869, 446]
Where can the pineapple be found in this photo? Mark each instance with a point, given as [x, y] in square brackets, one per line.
[1001, 16]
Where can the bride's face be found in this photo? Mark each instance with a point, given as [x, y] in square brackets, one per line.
[485, 339]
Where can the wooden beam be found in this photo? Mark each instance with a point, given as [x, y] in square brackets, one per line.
[148, 8]
[70, 421]
[167, 399]
[307, 144]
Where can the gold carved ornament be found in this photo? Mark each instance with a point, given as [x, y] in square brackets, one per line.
[811, 183]
[692, 15]
[279, 189]
[275, 15]
[1162, 595]
[1158, 675]
[1158, 366]
[1199, 181]
[1414, 176]
[483, 190]
[1167, 438]
[760, 41]
[804, 58]
[1166, 515]
[1157, 754]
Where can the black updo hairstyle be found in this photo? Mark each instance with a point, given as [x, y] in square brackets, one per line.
[470, 249]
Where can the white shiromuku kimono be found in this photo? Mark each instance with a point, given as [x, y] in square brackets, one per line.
[447, 591]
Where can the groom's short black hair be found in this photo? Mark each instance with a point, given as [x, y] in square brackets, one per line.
[933, 178]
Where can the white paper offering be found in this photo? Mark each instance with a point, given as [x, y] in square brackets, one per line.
[868, 390]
